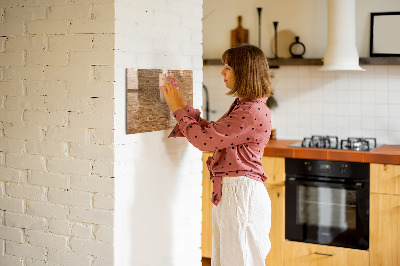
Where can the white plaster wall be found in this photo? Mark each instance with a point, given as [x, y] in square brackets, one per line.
[56, 132]
[158, 180]
[344, 103]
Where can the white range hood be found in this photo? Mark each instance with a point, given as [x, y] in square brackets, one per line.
[341, 51]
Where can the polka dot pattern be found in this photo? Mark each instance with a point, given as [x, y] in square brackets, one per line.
[238, 139]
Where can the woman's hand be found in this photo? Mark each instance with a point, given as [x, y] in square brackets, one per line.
[173, 96]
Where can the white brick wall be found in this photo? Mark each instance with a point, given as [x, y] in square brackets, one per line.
[56, 132]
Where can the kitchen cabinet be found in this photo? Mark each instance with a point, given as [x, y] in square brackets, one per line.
[385, 214]
[274, 168]
[206, 225]
[305, 254]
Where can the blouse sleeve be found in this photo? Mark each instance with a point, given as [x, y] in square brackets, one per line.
[229, 131]
[193, 113]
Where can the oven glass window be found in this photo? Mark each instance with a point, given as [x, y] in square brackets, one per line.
[326, 207]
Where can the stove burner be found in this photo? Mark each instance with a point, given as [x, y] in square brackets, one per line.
[358, 144]
[328, 142]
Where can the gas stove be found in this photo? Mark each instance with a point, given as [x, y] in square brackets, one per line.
[332, 142]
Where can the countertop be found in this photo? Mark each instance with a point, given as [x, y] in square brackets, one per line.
[387, 154]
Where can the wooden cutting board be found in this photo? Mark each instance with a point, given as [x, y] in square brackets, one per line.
[239, 35]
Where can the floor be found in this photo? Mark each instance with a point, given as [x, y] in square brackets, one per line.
[206, 261]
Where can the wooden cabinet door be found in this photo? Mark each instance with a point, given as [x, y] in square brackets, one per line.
[304, 254]
[385, 178]
[206, 226]
[277, 233]
[274, 168]
[384, 236]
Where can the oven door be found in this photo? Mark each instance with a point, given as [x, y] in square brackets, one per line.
[327, 213]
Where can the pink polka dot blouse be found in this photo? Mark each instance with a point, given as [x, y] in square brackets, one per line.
[238, 139]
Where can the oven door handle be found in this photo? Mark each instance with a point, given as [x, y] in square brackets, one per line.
[357, 185]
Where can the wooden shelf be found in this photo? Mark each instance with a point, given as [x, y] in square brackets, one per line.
[380, 61]
[274, 63]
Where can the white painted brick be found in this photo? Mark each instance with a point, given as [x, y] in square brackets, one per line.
[2, 158]
[96, 105]
[103, 41]
[12, 145]
[74, 135]
[69, 197]
[57, 103]
[46, 148]
[12, 204]
[25, 191]
[2, 44]
[8, 260]
[46, 27]
[104, 73]
[105, 260]
[11, 233]
[11, 59]
[71, 42]
[91, 247]
[103, 202]
[26, 161]
[60, 227]
[25, 221]
[23, 13]
[82, 230]
[105, 233]
[10, 174]
[31, 262]
[68, 258]
[92, 151]
[31, 43]
[96, 57]
[46, 209]
[91, 26]
[98, 120]
[25, 103]
[47, 240]
[12, 29]
[93, 184]
[47, 58]
[25, 250]
[24, 73]
[48, 179]
[24, 132]
[46, 88]
[46, 2]
[91, 89]
[11, 88]
[69, 166]
[101, 136]
[103, 11]
[46, 118]
[81, 73]
[104, 169]
[11, 117]
[95, 216]
[70, 12]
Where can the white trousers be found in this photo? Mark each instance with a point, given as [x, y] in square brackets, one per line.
[241, 223]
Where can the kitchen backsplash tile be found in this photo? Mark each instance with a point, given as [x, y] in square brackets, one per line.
[310, 101]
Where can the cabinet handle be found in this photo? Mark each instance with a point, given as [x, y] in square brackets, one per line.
[324, 254]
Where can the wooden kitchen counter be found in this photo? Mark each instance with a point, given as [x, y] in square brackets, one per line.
[387, 154]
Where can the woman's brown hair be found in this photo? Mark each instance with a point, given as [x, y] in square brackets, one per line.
[250, 66]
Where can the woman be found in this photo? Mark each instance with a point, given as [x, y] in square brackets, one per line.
[242, 208]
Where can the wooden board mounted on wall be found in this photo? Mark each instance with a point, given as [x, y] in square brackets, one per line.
[146, 110]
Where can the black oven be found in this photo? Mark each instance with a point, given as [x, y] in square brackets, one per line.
[327, 202]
